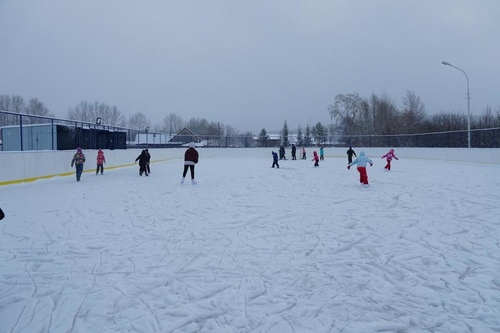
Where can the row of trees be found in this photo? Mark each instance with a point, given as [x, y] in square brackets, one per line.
[109, 115]
[379, 115]
[353, 115]
[312, 135]
[17, 104]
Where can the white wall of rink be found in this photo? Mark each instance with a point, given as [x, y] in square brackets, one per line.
[31, 165]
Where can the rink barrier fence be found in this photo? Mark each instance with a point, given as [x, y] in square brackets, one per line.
[27, 166]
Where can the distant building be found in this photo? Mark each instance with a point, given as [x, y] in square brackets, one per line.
[60, 137]
[184, 136]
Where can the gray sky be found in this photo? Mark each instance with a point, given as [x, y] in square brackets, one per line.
[249, 64]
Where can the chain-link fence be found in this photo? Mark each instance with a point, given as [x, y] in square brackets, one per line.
[20, 132]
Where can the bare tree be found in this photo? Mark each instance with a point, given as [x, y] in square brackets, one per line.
[198, 126]
[13, 103]
[489, 119]
[139, 121]
[36, 107]
[89, 112]
[386, 115]
[232, 134]
[248, 140]
[413, 115]
[346, 110]
[173, 123]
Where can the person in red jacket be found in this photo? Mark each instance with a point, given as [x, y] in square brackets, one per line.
[315, 158]
[100, 161]
[190, 159]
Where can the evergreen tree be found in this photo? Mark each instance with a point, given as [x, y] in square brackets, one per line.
[319, 133]
[263, 138]
[300, 138]
[284, 135]
[307, 137]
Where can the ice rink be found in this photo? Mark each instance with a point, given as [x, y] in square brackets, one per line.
[255, 249]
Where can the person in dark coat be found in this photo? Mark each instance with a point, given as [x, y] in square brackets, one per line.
[2, 214]
[143, 160]
[190, 159]
[275, 160]
[350, 152]
[148, 156]
[294, 151]
[282, 153]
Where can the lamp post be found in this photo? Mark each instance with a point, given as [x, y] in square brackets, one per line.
[467, 98]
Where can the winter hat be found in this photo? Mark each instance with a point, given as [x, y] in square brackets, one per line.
[78, 150]
[191, 145]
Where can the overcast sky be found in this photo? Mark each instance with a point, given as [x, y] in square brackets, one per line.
[249, 64]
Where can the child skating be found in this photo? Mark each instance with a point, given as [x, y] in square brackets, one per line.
[275, 160]
[100, 161]
[361, 161]
[388, 157]
[142, 158]
[315, 158]
[77, 161]
[322, 154]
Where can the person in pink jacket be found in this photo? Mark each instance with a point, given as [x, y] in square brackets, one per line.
[100, 161]
[388, 157]
[315, 158]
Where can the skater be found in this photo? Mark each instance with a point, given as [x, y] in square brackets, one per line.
[2, 214]
[303, 152]
[388, 157]
[315, 158]
[361, 162]
[350, 152]
[322, 154]
[275, 160]
[282, 153]
[100, 161]
[294, 151]
[190, 159]
[142, 158]
[148, 160]
[77, 161]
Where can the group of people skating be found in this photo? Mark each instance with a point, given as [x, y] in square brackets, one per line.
[361, 161]
[144, 159]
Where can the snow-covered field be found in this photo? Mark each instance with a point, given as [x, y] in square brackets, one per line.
[255, 249]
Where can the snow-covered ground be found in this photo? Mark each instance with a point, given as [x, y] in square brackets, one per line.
[255, 249]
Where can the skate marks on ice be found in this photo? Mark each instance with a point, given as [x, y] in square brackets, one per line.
[250, 249]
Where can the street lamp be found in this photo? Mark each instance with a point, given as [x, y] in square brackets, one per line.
[467, 98]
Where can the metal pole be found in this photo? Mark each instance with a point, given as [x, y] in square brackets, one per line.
[468, 100]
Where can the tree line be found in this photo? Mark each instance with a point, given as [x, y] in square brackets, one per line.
[379, 115]
[86, 111]
[352, 115]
